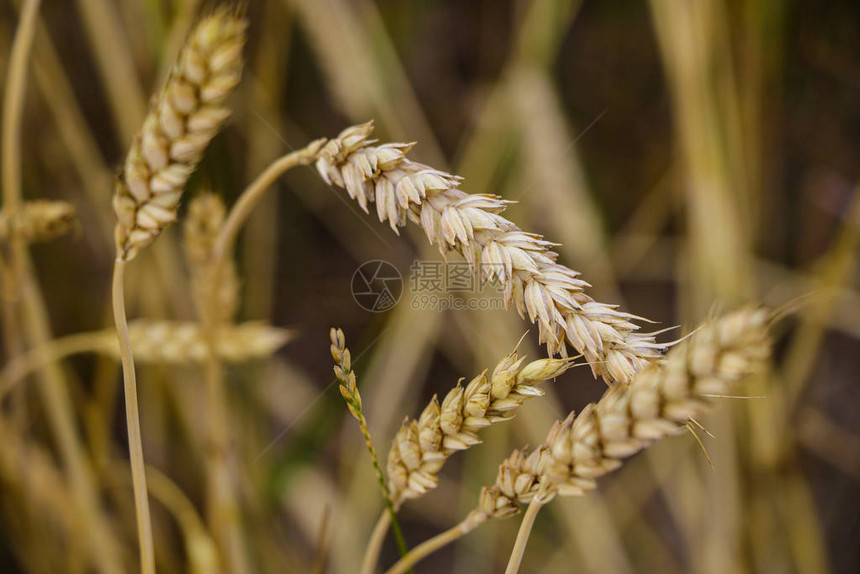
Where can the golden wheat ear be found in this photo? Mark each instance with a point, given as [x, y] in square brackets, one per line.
[38, 221]
[657, 403]
[547, 293]
[186, 116]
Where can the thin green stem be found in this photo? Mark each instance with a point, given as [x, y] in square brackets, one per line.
[349, 391]
[380, 478]
[523, 535]
[135, 444]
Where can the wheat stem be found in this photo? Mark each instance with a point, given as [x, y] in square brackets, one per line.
[202, 554]
[374, 545]
[135, 445]
[13, 105]
[523, 535]
[216, 294]
[254, 192]
[222, 499]
[221, 493]
[471, 522]
[10, 162]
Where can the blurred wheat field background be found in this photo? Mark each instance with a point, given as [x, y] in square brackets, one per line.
[688, 158]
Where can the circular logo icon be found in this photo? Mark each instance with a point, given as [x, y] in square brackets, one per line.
[377, 286]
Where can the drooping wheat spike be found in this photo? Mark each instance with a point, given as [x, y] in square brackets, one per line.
[186, 116]
[349, 390]
[180, 342]
[546, 292]
[38, 221]
[205, 218]
[421, 447]
[658, 403]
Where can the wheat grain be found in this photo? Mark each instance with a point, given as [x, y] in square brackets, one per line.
[657, 403]
[546, 292]
[38, 221]
[215, 290]
[188, 113]
[421, 447]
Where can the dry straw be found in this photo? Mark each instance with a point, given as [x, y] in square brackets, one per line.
[659, 402]
[548, 293]
[38, 221]
[189, 112]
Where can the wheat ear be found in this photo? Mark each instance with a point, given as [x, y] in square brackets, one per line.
[422, 446]
[156, 342]
[657, 403]
[186, 116]
[38, 221]
[549, 294]
[188, 113]
[216, 291]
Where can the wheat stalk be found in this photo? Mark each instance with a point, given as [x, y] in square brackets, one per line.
[37, 221]
[657, 403]
[546, 292]
[24, 301]
[188, 113]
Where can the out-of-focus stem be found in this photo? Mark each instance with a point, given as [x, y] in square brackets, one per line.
[223, 507]
[21, 284]
[135, 444]
[221, 495]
